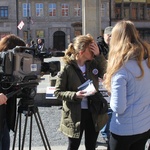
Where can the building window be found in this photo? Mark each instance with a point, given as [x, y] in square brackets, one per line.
[40, 34]
[108, 9]
[25, 36]
[39, 10]
[144, 34]
[3, 12]
[148, 11]
[52, 9]
[141, 11]
[102, 10]
[77, 33]
[26, 9]
[77, 10]
[127, 11]
[118, 11]
[134, 11]
[65, 10]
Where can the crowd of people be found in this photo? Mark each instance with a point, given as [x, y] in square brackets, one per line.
[39, 45]
[122, 59]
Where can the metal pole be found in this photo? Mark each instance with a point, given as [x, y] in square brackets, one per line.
[28, 21]
[109, 12]
[17, 17]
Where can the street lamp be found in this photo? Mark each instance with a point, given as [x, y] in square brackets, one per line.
[109, 12]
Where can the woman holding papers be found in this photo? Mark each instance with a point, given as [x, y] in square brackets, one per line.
[82, 56]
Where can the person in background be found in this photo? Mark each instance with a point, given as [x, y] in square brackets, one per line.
[32, 44]
[103, 44]
[3, 125]
[103, 41]
[7, 109]
[40, 46]
[127, 79]
[76, 117]
[27, 45]
[34, 47]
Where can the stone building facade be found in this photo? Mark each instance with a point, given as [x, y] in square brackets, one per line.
[58, 22]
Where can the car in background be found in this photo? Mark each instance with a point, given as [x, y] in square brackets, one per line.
[45, 90]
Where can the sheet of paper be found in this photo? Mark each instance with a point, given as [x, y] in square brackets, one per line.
[88, 87]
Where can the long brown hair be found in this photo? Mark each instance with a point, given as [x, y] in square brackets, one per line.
[10, 41]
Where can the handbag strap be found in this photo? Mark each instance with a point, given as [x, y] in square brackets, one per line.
[79, 73]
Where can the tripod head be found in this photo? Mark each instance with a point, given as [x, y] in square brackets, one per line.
[26, 91]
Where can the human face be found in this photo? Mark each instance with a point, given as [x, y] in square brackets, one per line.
[107, 38]
[88, 54]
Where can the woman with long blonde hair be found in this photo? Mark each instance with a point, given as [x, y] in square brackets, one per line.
[127, 79]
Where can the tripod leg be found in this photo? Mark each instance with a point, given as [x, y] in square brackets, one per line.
[25, 126]
[38, 117]
[28, 113]
[30, 140]
[20, 130]
[15, 134]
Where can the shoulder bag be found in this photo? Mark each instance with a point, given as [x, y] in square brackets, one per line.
[97, 103]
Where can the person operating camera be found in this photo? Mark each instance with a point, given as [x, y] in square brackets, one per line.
[7, 106]
[3, 99]
[3, 125]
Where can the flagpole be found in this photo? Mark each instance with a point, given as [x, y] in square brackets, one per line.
[17, 17]
[28, 22]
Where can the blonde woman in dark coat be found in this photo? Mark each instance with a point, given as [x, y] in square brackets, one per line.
[83, 55]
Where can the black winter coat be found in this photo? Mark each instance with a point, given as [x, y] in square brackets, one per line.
[8, 111]
[103, 47]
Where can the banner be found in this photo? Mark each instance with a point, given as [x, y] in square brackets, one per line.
[20, 26]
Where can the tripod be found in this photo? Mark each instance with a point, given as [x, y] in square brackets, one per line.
[29, 110]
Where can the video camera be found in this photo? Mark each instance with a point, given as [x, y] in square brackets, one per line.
[23, 66]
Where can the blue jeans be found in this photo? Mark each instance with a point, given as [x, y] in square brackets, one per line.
[105, 130]
[4, 138]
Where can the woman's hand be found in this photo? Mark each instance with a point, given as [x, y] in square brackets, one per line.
[80, 94]
[3, 99]
[94, 48]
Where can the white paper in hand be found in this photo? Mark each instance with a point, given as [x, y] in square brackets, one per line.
[88, 87]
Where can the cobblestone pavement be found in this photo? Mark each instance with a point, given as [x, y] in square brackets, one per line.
[50, 118]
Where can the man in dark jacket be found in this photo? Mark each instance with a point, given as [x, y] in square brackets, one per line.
[103, 44]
